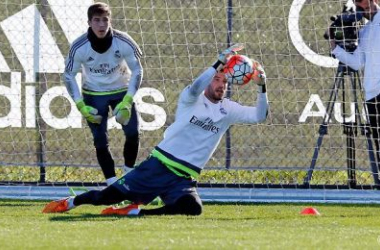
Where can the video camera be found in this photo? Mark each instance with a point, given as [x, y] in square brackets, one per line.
[344, 28]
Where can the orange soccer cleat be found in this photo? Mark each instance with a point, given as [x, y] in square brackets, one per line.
[132, 209]
[58, 206]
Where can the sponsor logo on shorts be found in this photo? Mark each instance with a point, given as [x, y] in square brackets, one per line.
[121, 181]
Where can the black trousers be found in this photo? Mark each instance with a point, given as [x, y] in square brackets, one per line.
[373, 106]
[100, 132]
[185, 205]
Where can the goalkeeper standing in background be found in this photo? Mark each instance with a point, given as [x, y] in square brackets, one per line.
[203, 116]
[367, 56]
[112, 73]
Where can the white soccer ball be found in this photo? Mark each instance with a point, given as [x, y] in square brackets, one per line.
[239, 69]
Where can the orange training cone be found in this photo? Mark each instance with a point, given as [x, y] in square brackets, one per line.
[310, 211]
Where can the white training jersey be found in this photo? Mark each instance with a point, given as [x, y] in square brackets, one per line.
[366, 55]
[117, 68]
[200, 124]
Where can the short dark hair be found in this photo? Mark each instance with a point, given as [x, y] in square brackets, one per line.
[98, 8]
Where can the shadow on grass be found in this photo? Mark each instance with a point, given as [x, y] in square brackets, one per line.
[90, 217]
[17, 205]
[298, 204]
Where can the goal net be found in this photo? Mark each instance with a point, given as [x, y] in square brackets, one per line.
[45, 142]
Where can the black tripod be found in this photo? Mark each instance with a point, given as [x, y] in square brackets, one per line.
[350, 129]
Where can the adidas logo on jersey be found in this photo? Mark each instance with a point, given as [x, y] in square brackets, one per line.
[117, 54]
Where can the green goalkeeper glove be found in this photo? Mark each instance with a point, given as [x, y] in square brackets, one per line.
[226, 54]
[122, 111]
[90, 113]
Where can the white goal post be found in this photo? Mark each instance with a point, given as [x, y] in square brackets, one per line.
[44, 141]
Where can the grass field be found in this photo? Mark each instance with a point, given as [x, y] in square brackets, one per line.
[221, 226]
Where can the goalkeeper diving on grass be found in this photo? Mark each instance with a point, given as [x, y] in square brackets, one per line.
[203, 115]
[112, 74]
